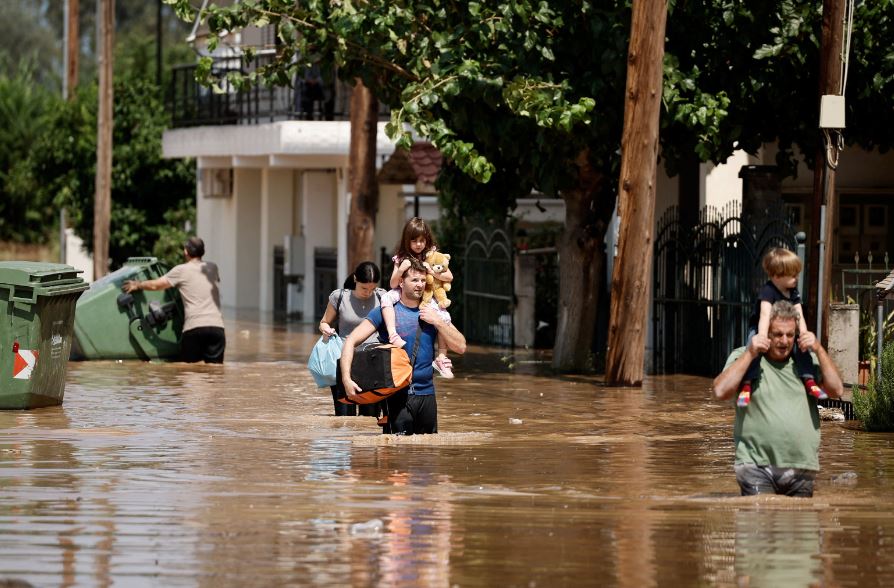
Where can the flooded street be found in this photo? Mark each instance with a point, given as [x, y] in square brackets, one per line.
[155, 474]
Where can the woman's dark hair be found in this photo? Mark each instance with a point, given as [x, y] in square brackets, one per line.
[365, 273]
[195, 247]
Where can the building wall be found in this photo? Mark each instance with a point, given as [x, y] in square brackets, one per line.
[319, 225]
[216, 225]
[246, 195]
[277, 195]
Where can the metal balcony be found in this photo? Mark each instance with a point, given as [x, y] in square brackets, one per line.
[312, 96]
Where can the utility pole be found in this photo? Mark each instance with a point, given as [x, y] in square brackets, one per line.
[71, 49]
[102, 203]
[632, 274]
[71, 54]
[825, 200]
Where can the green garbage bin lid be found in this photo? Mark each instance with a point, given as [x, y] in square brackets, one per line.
[37, 274]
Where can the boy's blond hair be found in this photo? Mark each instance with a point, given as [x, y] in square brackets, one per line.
[781, 262]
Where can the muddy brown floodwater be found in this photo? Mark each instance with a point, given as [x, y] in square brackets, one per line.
[155, 474]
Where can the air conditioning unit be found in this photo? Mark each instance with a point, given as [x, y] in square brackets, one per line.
[217, 182]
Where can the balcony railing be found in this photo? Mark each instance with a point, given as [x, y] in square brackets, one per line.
[312, 96]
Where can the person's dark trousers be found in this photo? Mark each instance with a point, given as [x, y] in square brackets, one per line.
[754, 479]
[203, 344]
[409, 414]
[342, 409]
[372, 410]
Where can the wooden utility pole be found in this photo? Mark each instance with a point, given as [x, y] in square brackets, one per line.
[362, 176]
[72, 49]
[824, 176]
[102, 202]
[632, 275]
[71, 56]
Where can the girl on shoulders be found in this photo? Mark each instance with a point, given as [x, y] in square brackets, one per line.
[415, 241]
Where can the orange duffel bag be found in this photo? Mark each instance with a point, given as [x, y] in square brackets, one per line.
[381, 369]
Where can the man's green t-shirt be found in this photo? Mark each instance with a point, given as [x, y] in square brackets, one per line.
[781, 425]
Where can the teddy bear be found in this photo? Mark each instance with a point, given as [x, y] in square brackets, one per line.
[436, 263]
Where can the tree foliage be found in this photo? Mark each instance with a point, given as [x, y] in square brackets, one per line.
[526, 94]
[23, 108]
[62, 165]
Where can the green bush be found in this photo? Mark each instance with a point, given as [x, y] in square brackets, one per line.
[875, 405]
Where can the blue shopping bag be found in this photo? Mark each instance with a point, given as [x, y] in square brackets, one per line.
[323, 361]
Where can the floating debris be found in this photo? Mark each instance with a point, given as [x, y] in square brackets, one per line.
[370, 528]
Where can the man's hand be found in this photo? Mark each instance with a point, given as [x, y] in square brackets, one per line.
[131, 286]
[351, 389]
[807, 341]
[430, 314]
[759, 344]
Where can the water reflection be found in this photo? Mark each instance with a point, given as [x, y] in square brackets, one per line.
[167, 474]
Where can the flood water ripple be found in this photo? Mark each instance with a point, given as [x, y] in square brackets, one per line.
[155, 474]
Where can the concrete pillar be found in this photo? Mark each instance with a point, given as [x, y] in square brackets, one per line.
[341, 217]
[276, 223]
[246, 194]
[525, 288]
[216, 224]
[844, 341]
[761, 189]
[319, 227]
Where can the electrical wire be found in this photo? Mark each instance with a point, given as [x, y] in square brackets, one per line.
[846, 42]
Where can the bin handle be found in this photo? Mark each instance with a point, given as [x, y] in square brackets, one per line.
[14, 298]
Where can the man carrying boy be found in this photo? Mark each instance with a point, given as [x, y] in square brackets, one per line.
[777, 438]
[412, 410]
[782, 266]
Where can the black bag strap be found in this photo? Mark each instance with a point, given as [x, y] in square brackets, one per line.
[338, 308]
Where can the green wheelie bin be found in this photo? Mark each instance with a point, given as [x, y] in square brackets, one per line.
[144, 325]
[37, 312]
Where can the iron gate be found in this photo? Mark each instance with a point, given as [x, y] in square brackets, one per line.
[488, 287]
[705, 279]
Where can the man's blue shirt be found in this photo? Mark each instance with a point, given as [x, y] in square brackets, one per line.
[407, 320]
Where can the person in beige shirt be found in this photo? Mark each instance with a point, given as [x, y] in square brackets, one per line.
[203, 336]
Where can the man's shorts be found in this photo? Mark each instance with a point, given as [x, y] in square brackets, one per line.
[409, 414]
[755, 479]
[203, 344]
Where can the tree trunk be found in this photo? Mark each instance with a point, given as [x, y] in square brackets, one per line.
[102, 207]
[581, 270]
[363, 183]
[632, 277]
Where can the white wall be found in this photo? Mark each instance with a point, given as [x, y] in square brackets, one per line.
[216, 225]
[247, 195]
[76, 255]
[319, 224]
[276, 222]
[391, 218]
[722, 181]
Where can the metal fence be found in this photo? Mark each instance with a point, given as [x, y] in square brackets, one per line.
[488, 294]
[705, 280]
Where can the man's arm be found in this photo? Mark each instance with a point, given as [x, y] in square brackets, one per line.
[456, 341]
[161, 283]
[358, 335]
[802, 324]
[727, 384]
[832, 383]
